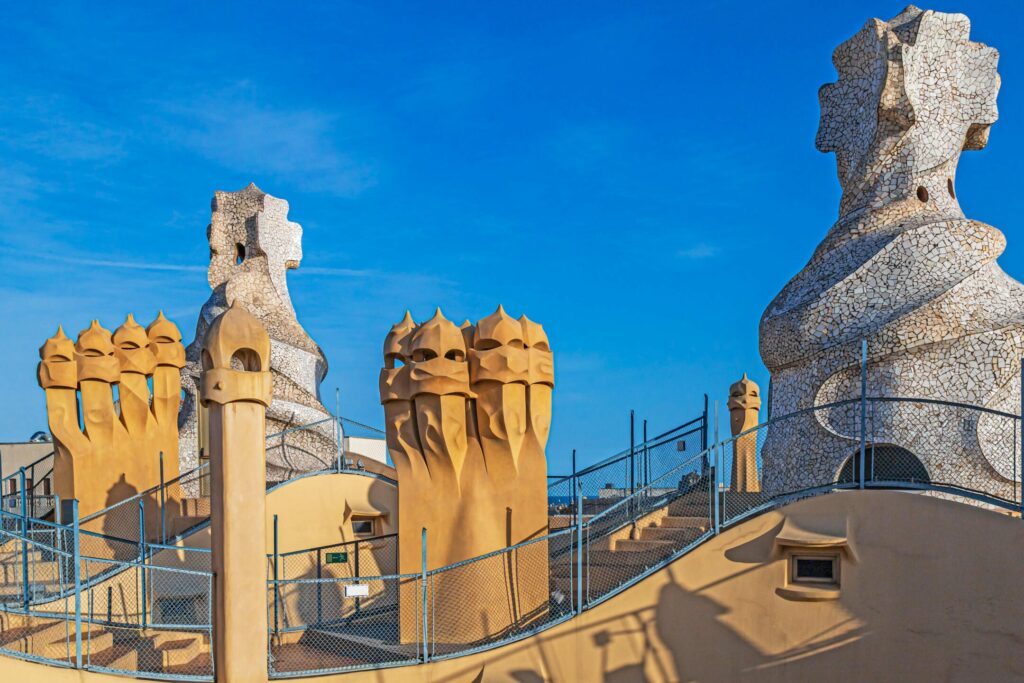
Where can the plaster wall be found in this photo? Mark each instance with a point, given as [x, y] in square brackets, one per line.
[931, 594]
[317, 511]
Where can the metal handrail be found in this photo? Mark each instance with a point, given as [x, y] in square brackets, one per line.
[643, 491]
[200, 470]
[654, 442]
[357, 541]
[30, 465]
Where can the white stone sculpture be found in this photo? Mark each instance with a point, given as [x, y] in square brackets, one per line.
[902, 268]
[252, 245]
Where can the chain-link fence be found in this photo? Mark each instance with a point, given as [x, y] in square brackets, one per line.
[333, 444]
[613, 479]
[29, 490]
[874, 442]
[372, 556]
[338, 624]
[140, 607]
[62, 606]
[641, 531]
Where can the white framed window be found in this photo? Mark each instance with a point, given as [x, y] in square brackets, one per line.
[364, 527]
[814, 569]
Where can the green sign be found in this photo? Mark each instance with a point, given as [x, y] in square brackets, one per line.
[337, 558]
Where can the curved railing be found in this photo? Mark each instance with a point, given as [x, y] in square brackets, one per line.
[30, 484]
[961, 452]
[339, 619]
[346, 435]
[632, 468]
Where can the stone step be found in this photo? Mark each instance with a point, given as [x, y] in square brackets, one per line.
[684, 508]
[177, 649]
[117, 656]
[618, 558]
[631, 545]
[197, 666]
[699, 522]
[677, 535]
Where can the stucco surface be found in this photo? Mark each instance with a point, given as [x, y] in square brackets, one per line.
[934, 594]
[317, 510]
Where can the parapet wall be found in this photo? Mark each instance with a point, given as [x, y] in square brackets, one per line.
[928, 592]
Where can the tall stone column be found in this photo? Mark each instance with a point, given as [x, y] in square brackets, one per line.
[744, 406]
[236, 388]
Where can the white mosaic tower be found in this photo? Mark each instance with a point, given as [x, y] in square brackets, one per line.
[902, 267]
[252, 246]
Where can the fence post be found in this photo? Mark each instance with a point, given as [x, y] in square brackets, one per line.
[1021, 420]
[142, 560]
[423, 589]
[319, 589]
[715, 473]
[573, 484]
[632, 453]
[579, 549]
[337, 415]
[704, 427]
[277, 588]
[647, 458]
[77, 559]
[357, 573]
[23, 496]
[31, 485]
[863, 405]
[163, 503]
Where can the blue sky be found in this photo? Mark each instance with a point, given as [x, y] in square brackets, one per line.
[639, 177]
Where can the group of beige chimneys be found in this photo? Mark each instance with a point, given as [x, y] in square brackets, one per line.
[477, 397]
[126, 387]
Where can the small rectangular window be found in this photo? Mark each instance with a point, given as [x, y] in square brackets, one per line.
[815, 569]
[363, 526]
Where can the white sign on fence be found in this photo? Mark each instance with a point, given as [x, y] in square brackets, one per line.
[357, 590]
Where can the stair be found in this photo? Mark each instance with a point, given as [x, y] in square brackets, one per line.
[623, 553]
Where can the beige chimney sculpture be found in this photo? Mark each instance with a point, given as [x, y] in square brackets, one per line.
[744, 405]
[467, 413]
[115, 452]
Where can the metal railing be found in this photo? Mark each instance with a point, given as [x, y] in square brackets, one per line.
[62, 606]
[622, 474]
[962, 452]
[30, 484]
[344, 607]
[336, 429]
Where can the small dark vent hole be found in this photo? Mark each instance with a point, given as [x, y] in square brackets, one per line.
[922, 193]
[949, 186]
[240, 251]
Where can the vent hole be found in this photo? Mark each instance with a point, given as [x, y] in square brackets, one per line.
[421, 355]
[239, 254]
[949, 186]
[922, 193]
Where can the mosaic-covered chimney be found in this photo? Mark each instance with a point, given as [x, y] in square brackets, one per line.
[252, 246]
[902, 268]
